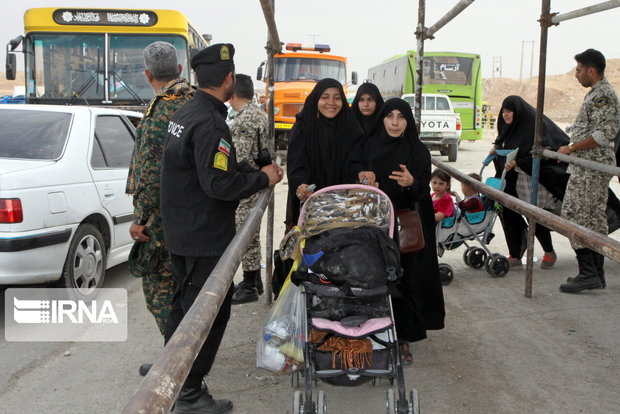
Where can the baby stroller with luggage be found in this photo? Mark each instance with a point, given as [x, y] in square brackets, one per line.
[464, 227]
[346, 262]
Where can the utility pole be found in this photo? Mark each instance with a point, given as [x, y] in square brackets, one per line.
[314, 36]
[497, 65]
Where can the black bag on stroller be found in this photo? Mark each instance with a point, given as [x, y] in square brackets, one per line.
[364, 257]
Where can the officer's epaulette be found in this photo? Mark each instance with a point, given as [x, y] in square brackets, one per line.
[147, 113]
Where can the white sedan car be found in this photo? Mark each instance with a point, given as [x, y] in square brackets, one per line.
[64, 214]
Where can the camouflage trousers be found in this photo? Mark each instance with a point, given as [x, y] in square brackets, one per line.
[252, 257]
[584, 202]
[158, 288]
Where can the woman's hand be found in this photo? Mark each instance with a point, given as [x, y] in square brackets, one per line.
[303, 193]
[403, 177]
[369, 176]
[510, 165]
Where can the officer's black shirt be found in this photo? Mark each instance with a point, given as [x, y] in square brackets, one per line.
[201, 182]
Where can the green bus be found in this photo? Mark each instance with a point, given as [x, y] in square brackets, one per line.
[455, 74]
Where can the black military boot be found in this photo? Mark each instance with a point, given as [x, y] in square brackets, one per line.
[259, 282]
[588, 276]
[599, 262]
[246, 290]
[197, 400]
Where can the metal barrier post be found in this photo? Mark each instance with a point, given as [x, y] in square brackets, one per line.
[160, 386]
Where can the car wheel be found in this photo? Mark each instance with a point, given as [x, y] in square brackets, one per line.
[84, 268]
[453, 151]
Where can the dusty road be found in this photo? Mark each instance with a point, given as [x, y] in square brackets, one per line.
[499, 353]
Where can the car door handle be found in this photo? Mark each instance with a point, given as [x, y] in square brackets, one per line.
[108, 192]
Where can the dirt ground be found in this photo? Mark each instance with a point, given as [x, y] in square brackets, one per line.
[499, 352]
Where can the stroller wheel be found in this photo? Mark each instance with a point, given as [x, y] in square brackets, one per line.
[297, 403]
[390, 402]
[476, 257]
[414, 402]
[446, 274]
[466, 255]
[497, 265]
[321, 403]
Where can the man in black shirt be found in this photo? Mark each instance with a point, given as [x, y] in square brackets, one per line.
[201, 185]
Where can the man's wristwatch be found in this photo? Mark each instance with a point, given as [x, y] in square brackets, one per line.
[571, 147]
[139, 221]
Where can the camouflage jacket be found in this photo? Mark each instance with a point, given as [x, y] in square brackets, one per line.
[144, 170]
[598, 118]
[250, 119]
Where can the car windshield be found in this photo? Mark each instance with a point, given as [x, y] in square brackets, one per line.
[309, 69]
[38, 135]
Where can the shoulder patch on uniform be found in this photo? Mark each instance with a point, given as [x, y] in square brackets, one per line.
[221, 161]
[224, 146]
[600, 102]
[147, 113]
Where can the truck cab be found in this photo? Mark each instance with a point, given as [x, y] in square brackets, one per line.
[296, 72]
[440, 126]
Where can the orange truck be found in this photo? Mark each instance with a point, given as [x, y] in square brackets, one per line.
[296, 71]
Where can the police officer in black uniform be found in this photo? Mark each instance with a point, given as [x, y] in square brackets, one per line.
[201, 184]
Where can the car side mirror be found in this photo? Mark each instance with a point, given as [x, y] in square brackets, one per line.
[354, 78]
[11, 66]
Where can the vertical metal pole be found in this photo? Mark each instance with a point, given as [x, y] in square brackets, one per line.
[419, 67]
[521, 66]
[532, 61]
[272, 140]
[536, 150]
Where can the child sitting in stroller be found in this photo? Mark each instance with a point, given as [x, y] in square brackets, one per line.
[472, 202]
[442, 200]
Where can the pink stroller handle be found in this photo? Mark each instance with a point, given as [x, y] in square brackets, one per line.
[349, 187]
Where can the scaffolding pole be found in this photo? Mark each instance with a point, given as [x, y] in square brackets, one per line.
[585, 11]
[455, 11]
[159, 388]
[268, 7]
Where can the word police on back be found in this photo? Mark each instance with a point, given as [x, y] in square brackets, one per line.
[175, 129]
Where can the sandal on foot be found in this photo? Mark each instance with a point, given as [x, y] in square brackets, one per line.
[406, 354]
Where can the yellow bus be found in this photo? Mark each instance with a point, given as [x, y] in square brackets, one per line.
[94, 56]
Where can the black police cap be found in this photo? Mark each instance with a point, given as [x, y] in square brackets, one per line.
[220, 52]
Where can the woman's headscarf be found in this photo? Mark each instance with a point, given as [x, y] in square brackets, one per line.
[387, 152]
[327, 140]
[367, 122]
[520, 133]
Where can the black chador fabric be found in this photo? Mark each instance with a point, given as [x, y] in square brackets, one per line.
[520, 134]
[367, 122]
[421, 306]
[322, 151]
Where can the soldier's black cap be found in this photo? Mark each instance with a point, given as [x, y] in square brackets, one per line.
[219, 52]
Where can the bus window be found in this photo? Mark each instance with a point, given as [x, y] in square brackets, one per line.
[452, 70]
[126, 67]
[65, 65]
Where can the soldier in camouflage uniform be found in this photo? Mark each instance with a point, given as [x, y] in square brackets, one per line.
[593, 136]
[249, 122]
[162, 71]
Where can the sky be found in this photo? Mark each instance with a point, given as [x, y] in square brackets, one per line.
[368, 32]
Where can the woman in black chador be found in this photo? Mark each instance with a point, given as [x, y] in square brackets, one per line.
[366, 107]
[402, 165]
[325, 147]
[515, 129]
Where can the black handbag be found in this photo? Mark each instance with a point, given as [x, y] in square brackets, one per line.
[410, 235]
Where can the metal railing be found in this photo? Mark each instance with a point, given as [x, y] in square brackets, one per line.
[159, 388]
[598, 242]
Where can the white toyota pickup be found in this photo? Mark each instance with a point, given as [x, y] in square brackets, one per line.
[440, 128]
